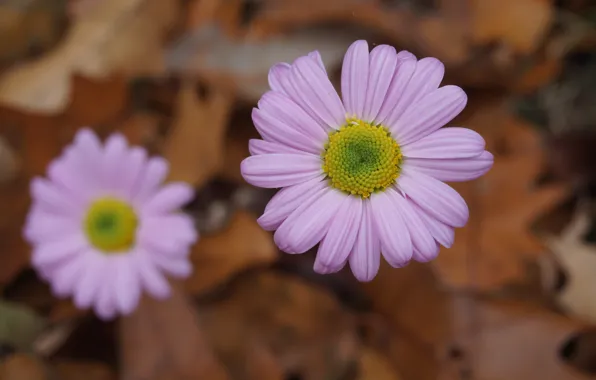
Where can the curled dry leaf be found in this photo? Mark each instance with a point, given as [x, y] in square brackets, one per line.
[216, 258]
[300, 326]
[195, 145]
[577, 259]
[163, 340]
[492, 249]
[242, 66]
[101, 42]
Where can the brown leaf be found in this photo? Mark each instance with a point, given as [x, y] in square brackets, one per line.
[23, 367]
[375, 366]
[195, 145]
[302, 326]
[243, 244]
[101, 42]
[163, 340]
[519, 24]
[71, 370]
[495, 244]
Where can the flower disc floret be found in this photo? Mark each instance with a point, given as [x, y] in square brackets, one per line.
[111, 225]
[361, 158]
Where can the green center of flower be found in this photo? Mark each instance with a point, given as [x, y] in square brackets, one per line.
[111, 225]
[361, 158]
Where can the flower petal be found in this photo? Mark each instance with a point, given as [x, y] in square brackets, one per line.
[427, 77]
[63, 173]
[354, 78]
[42, 226]
[169, 198]
[453, 170]
[436, 198]
[383, 60]
[156, 235]
[318, 95]
[258, 146]
[426, 256]
[153, 281]
[365, 258]
[277, 75]
[105, 306]
[50, 198]
[280, 170]
[447, 143]
[429, 114]
[58, 250]
[152, 177]
[316, 57]
[287, 112]
[443, 234]
[92, 279]
[396, 244]
[422, 240]
[126, 283]
[133, 167]
[289, 199]
[176, 267]
[340, 238]
[397, 98]
[115, 154]
[66, 276]
[308, 224]
[275, 130]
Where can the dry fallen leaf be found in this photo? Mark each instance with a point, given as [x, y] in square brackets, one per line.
[216, 258]
[23, 367]
[519, 24]
[496, 243]
[9, 162]
[77, 370]
[195, 145]
[296, 325]
[577, 259]
[375, 366]
[163, 340]
[101, 42]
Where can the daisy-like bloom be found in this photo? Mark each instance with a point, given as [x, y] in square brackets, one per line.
[363, 174]
[103, 228]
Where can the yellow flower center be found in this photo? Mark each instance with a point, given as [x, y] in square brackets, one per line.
[111, 225]
[361, 158]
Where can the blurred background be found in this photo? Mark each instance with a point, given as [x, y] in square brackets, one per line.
[513, 299]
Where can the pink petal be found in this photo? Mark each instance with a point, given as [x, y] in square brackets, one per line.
[438, 199]
[396, 244]
[50, 198]
[278, 131]
[383, 60]
[152, 177]
[317, 93]
[429, 114]
[453, 170]
[176, 267]
[426, 256]
[365, 258]
[280, 170]
[58, 250]
[446, 143]
[340, 238]
[316, 57]
[257, 146]
[92, 279]
[127, 283]
[289, 199]
[443, 234]
[277, 75]
[308, 224]
[42, 226]
[354, 78]
[287, 112]
[422, 240]
[169, 198]
[65, 176]
[105, 306]
[66, 276]
[153, 235]
[427, 77]
[153, 281]
[133, 168]
[115, 153]
[87, 153]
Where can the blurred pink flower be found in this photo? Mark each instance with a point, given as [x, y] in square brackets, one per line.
[103, 228]
[363, 175]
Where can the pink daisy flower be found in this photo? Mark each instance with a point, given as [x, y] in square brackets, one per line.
[103, 228]
[363, 174]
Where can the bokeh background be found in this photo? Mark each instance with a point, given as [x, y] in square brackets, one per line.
[513, 299]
